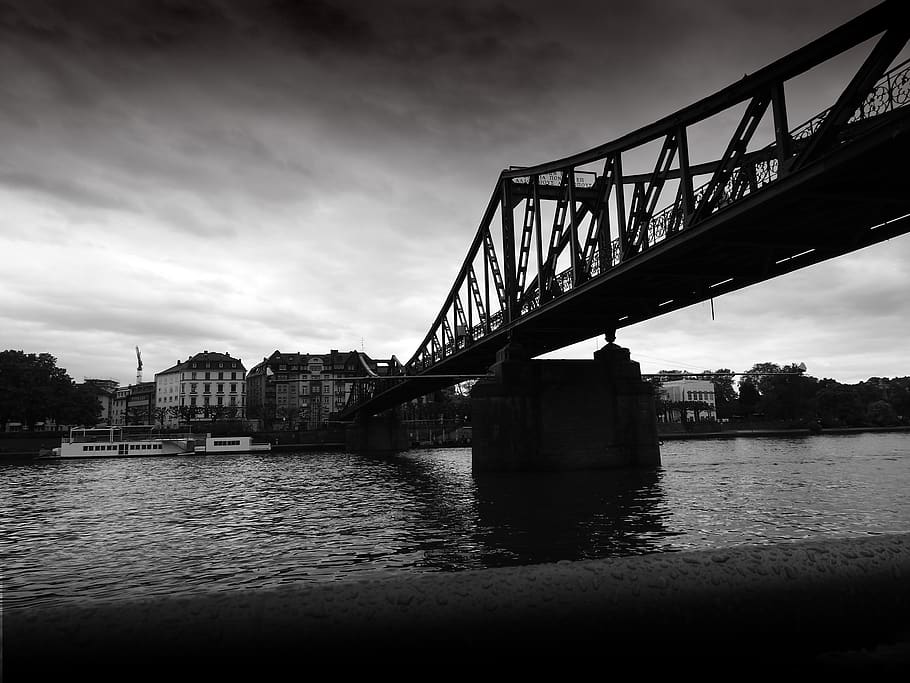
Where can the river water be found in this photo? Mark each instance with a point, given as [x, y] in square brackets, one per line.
[135, 528]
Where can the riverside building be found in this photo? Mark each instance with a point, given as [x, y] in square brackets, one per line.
[206, 386]
[304, 390]
[695, 396]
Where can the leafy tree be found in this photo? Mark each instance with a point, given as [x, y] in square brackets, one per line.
[187, 413]
[209, 411]
[839, 404]
[748, 396]
[724, 392]
[662, 407]
[765, 377]
[881, 414]
[82, 406]
[784, 392]
[899, 396]
[137, 415]
[34, 388]
[160, 414]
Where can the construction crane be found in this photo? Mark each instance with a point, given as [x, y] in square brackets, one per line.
[139, 366]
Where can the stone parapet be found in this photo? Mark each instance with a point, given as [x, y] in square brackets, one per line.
[833, 602]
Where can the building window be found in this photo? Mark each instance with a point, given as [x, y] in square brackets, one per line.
[207, 388]
[233, 388]
[220, 400]
[192, 388]
[220, 388]
[233, 400]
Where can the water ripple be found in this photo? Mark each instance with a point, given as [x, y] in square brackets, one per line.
[107, 529]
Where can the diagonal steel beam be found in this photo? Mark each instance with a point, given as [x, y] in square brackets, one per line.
[732, 157]
[887, 48]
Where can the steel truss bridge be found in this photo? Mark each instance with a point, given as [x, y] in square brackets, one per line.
[575, 248]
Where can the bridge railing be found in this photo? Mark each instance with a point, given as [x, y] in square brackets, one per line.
[515, 271]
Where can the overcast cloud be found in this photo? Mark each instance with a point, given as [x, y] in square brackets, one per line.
[252, 175]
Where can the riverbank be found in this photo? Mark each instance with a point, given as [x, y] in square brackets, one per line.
[734, 433]
[293, 442]
[829, 606]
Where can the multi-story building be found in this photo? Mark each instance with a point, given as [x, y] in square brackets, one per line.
[206, 386]
[304, 391]
[133, 404]
[106, 390]
[696, 396]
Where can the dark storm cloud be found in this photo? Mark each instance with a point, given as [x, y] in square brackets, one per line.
[126, 24]
[344, 151]
[67, 189]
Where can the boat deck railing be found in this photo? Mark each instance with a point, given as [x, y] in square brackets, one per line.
[111, 434]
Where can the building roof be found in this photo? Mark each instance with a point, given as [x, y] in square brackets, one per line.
[203, 360]
[333, 361]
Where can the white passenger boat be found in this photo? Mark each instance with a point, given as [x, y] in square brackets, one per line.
[131, 441]
[220, 445]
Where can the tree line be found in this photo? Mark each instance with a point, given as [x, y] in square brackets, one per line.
[33, 389]
[774, 392]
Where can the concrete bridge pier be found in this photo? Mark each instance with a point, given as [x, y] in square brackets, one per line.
[377, 434]
[537, 415]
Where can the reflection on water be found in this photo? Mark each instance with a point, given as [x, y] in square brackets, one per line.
[106, 529]
[570, 515]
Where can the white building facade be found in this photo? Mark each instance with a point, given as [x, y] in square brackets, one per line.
[696, 396]
[206, 386]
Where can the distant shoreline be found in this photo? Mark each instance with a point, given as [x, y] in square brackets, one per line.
[27, 455]
[738, 433]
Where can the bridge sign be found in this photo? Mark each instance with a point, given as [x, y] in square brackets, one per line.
[554, 179]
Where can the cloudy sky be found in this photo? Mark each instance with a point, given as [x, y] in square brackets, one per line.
[252, 175]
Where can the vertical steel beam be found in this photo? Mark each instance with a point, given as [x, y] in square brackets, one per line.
[600, 223]
[604, 248]
[686, 192]
[470, 330]
[545, 280]
[573, 227]
[508, 252]
[781, 127]
[535, 189]
[486, 282]
[620, 204]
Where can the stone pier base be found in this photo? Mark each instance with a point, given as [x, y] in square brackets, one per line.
[563, 414]
[379, 434]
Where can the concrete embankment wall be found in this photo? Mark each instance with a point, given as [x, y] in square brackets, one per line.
[823, 604]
